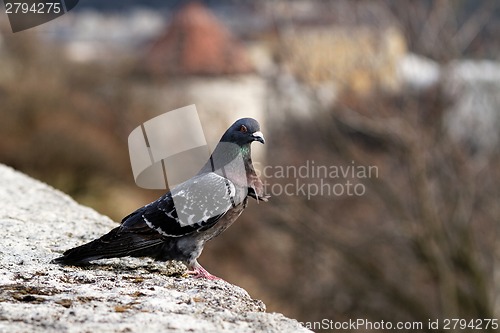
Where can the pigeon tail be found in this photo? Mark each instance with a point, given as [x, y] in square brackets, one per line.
[112, 245]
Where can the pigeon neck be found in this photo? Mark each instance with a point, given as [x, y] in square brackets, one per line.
[227, 159]
[246, 152]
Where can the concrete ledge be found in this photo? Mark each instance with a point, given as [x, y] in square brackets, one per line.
[37, 223]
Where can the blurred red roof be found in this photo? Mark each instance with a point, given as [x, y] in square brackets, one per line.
[196, 43]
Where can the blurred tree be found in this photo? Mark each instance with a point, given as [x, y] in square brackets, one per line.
[445, 30]
[67, 123]
[418, 245]
[421, 243]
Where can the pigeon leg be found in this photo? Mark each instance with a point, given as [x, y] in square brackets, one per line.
[199, 272]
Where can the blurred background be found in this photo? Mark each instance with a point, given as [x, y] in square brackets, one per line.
[409, 88]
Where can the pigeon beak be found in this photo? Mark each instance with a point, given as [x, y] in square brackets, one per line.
[258, 136]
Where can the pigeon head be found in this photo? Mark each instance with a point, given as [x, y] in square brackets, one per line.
[234, 146]
[244, 131]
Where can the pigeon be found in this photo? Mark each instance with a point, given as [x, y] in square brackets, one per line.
[178, 224]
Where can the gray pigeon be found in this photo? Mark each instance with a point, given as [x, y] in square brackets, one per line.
[179, 223]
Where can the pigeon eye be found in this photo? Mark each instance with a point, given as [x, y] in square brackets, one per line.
[243, 129]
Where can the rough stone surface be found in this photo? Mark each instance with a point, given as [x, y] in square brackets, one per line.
[37, 223]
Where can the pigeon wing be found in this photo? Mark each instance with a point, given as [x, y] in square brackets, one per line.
[192, 206]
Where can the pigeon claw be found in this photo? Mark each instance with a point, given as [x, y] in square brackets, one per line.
[199, 272]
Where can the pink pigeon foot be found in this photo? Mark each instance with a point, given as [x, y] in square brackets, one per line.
[199, 272]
